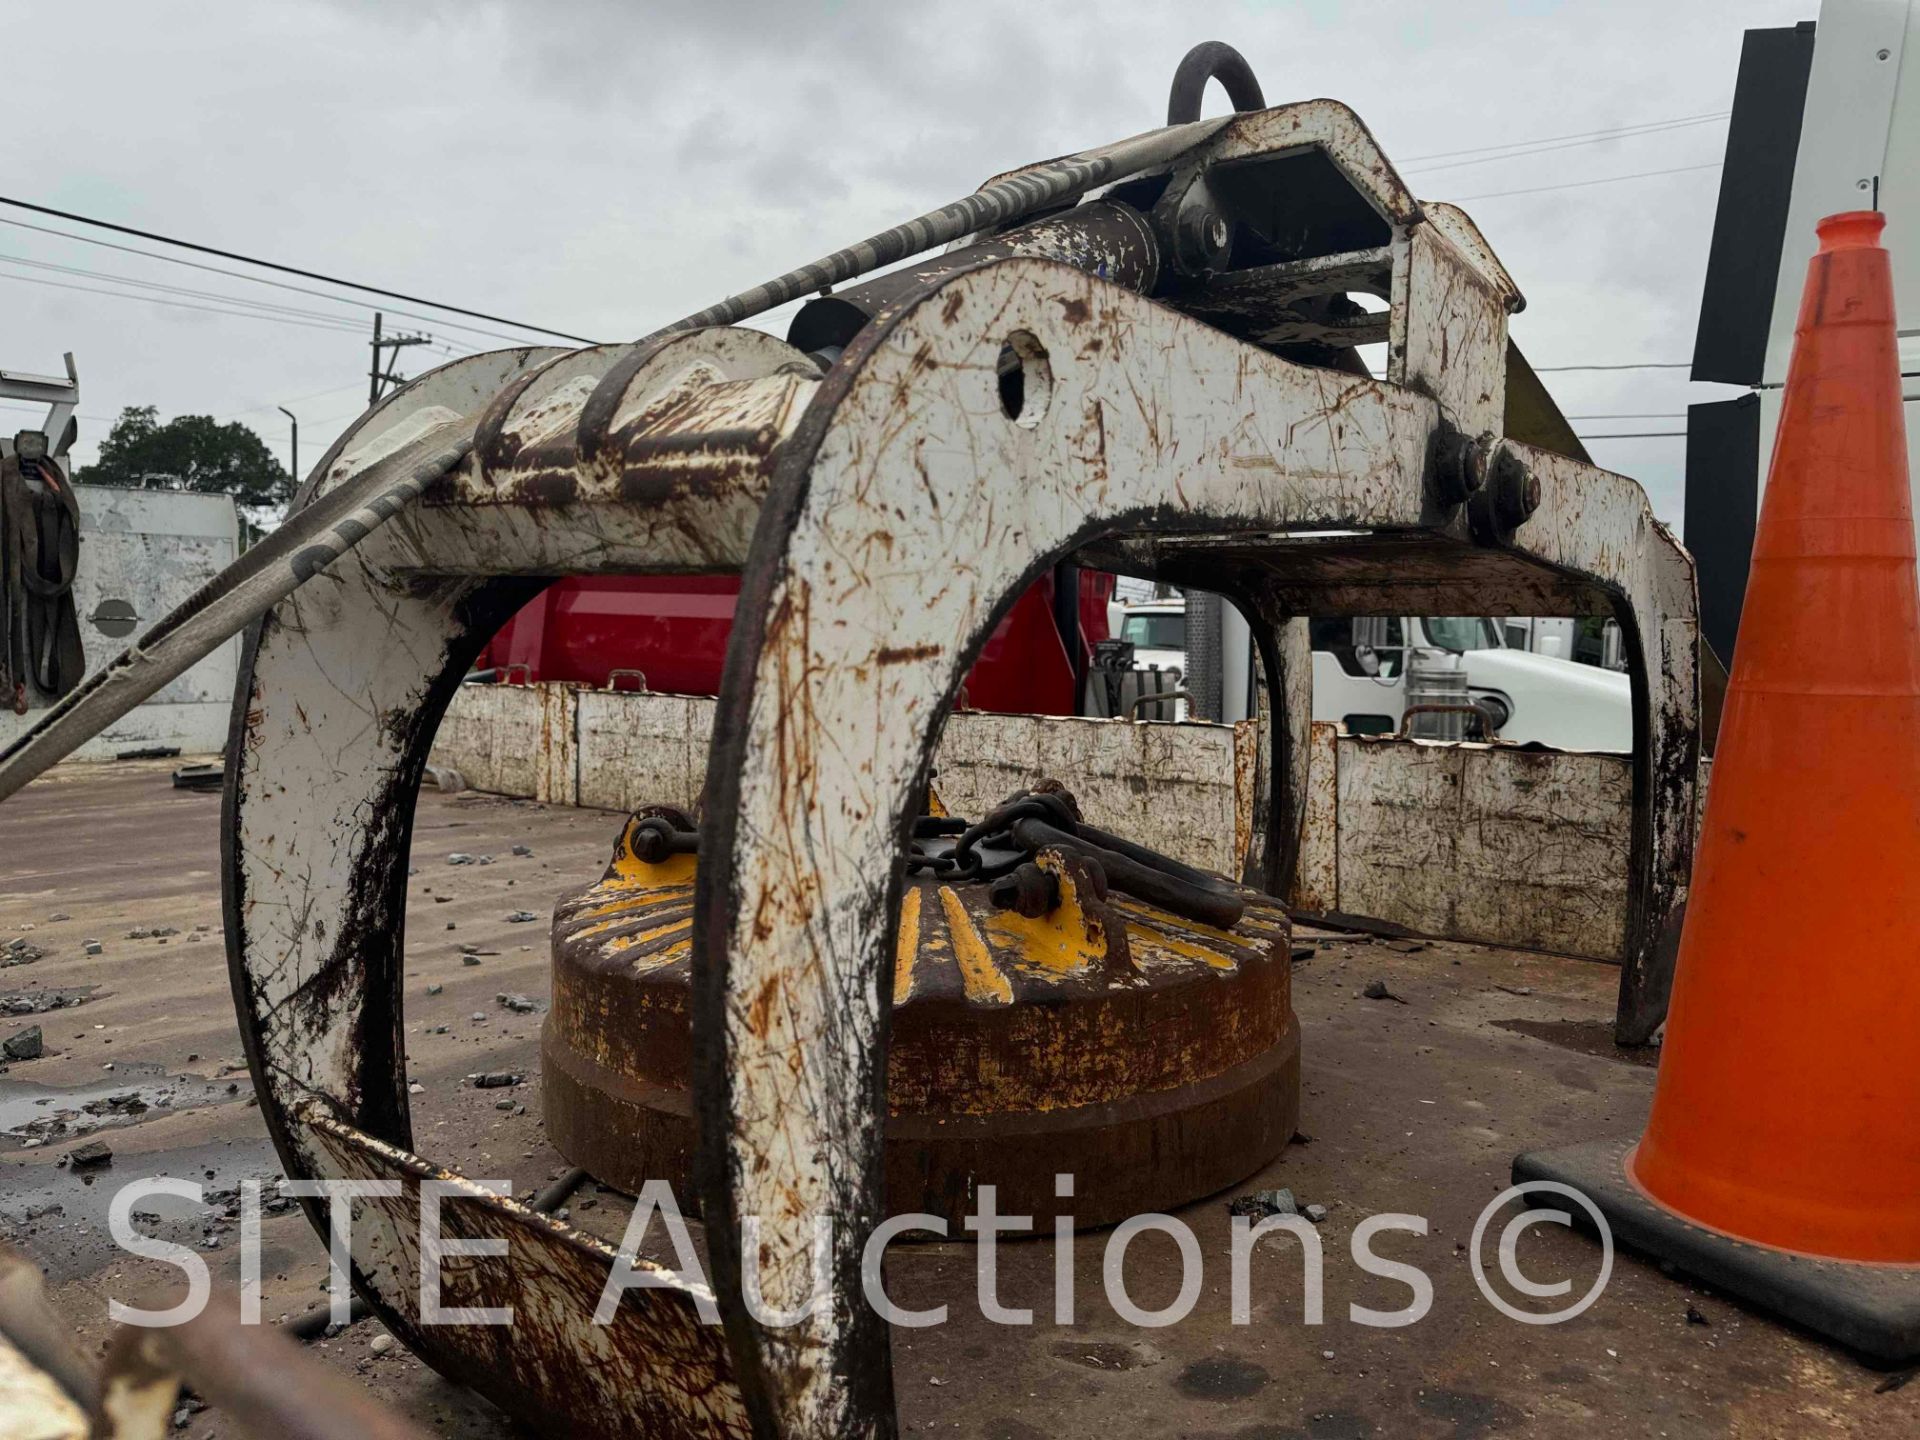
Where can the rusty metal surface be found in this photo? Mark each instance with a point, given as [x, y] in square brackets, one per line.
[785, 918]
[1333, 129]
[1497, 844]
[1451, 345]
[259, 1377]
[1289, 303]
[1112, 241]
[1135, 432]
[254, 1374]
[1590, 522]
[1015, 1051]
[635, 457]
[342, 686]
[654, 1369]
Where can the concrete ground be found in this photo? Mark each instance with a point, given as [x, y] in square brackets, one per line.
[1413, 1108]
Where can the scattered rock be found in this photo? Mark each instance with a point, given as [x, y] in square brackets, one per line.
[504, 1105]
[39, 1002]
[1259, 1204]
[435, 989]
[93, 947]
[1694, 1317]
[519, 1004]
[1406, 947]
[495, 1079]
[523, 851]
[1515, 989]
[459, 858]
[1315, 1213]
[21, 952]
[414, 1087]
[57, 917]
[469, 959]
[25, 1045]
[521, 917]
[381, 1344]
[1377, 990]
[94, 1152]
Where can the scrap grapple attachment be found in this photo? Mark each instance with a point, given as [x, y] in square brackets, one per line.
[1151, 358]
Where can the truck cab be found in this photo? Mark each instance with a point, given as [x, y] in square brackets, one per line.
[1361, 674]
[1363, 667]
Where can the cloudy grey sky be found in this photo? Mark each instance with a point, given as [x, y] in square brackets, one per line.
[604, 166]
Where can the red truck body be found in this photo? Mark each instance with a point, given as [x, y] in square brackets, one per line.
[673, 631]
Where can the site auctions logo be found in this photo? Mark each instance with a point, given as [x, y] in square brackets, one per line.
[656, 1204]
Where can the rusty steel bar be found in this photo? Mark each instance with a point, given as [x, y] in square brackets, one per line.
[992, 205]
[250, 1372]
[1204, 901]
[1115, 242]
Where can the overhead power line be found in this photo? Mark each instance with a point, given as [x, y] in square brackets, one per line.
[1633, 435]
[362, 305]
[185, 305]
[1522, 149]
[296, 400]
[265, 306]
[285, 269]
[1605, 134]
[1582, 184]
[1635, 415]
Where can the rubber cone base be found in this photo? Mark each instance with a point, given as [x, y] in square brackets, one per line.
[1872, 1309]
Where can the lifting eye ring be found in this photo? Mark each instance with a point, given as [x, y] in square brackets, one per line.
[1212, 61]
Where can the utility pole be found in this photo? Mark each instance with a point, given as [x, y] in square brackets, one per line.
[378, 381]
[293, 420]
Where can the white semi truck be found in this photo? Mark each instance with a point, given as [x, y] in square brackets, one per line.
[1367, 671]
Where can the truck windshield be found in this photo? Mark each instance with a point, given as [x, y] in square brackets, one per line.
[1462, 632]
[1156, 632]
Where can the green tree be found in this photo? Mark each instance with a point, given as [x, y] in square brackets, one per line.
[189, 452]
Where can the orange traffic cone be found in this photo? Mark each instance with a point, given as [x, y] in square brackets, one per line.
[1782, 1159]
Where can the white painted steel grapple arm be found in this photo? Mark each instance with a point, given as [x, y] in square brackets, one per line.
[1163, 380]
